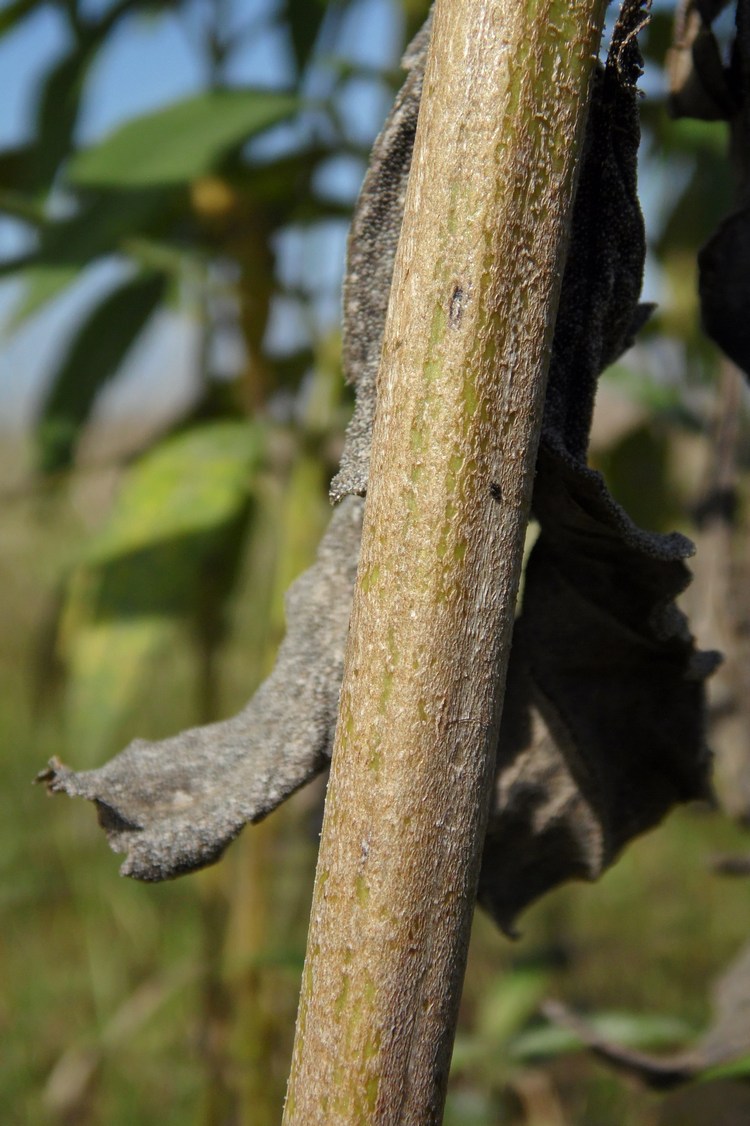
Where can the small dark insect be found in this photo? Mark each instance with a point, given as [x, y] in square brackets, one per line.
[495, 491]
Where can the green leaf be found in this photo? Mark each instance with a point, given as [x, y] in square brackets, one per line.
[735, 1069]
[707, 198]
[155, 254]
[103, 219]
[106, 664]
[505, 1007]
[14, 171]
[165, 563]
[21, 206]
[67, 246]
[509, 1003]
[12, 14]
[90, 361]
[630, 1030]
[174, 145]
[57, 113]
[41, 284]
[685, 136]
[304, 18]
[186, 486]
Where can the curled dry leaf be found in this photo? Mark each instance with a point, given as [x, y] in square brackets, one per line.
[371, 251]
[603, 723]
[174, 806]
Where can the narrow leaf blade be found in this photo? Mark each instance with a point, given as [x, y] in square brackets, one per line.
[176, 144]
[91, 360]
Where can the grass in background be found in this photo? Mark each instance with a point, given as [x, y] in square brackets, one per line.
[123, 1002]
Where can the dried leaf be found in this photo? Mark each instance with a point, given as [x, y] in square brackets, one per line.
[603, 723]
[175, 805]
[603, 728]
[373, 239]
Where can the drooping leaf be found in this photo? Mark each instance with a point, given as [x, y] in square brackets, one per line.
[57, 113]
[165, 561]
[699, 81]
[724, 287]
[603, 727]
[304, 18]
[631, 1030]
[90, 361]
[239, 770]
[171, 815]
[67, 246]
[176, 144]
[722, 1051]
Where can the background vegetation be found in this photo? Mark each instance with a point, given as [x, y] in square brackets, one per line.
[145, 555]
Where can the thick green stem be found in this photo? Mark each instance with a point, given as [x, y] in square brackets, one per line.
[461, 393]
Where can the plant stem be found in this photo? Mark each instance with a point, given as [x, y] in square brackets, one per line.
[461, 393]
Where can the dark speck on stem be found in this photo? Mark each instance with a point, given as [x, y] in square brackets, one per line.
[456, 307]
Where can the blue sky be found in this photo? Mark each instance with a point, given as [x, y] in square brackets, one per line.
[149, 62]
[153, 60]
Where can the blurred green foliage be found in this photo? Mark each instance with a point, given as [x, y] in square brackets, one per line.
[165, 562]
[149, 589]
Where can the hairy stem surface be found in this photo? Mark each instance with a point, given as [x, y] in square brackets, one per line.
[460, 398]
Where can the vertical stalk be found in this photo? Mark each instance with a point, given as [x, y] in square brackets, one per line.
[461, 392]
